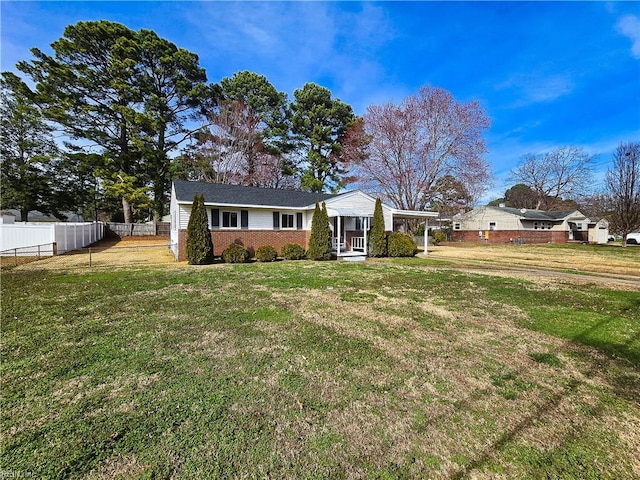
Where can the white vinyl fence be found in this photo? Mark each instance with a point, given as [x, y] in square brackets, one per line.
[66, 236]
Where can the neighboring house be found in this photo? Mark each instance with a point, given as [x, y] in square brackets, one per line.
[253, 217]
[505, 225]
[36, 216]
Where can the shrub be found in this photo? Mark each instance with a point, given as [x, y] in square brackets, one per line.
[438, 238]
[199, 243]
[401, 245]
[377, 238]
[292, 251]
[320, 239]
[235, 253]
[266, 253]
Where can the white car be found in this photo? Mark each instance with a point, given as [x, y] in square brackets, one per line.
[633, 238]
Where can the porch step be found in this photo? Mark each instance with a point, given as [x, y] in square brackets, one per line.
[354, 258]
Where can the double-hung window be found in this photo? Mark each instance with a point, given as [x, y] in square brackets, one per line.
[287, 220]
[229, 219]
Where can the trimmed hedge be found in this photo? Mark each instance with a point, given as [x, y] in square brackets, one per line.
[401, 245]
[377, 237]
[292, 251]
[266, 253]
[320, 239]
[235, 253]
[199, 244]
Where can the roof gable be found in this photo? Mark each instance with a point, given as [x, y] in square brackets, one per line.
[224, 194]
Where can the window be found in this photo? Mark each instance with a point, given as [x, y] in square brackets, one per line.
[578, 226]
[492, 225]
[287, 220]
[229, 219]
[456, 226]
[535, 225]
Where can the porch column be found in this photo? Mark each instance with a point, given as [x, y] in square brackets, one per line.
[365, 227]
[426, 236]
[338, 236]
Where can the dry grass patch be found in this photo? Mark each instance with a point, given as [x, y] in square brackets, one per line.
[586, 258]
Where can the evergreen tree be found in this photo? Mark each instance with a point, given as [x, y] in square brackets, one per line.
[199, 243]
[29, 155]
[377, 237]
[325, 225]
[320, 240]
[319, 124]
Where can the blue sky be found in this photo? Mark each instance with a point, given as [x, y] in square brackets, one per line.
[547, 73]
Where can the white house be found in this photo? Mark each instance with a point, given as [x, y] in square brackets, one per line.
[254, 216]
[504, 225]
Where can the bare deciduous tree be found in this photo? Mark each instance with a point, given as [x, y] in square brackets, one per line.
[562, 173]
[623, 188]
[232, 149]
[405, 149]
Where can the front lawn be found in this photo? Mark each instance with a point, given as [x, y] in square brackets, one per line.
[317, 370]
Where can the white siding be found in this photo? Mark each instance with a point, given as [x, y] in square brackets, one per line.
[259, 218]
[480, 218]
[175, 222]
[363, 205]
[355, 201]
[184, 211]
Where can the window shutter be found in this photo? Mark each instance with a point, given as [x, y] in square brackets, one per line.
[299, 221]
[244, 219]
[215, 217]
[276, 220]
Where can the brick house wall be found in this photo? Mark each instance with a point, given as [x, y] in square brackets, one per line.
[511, 236]
[250, 239]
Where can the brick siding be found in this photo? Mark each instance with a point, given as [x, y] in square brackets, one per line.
[250, 239]
[512, 236]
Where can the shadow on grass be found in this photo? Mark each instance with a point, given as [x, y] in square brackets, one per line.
[624, 385]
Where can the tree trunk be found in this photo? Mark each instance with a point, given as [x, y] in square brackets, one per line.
[126, 209]
[24, 214]
[160, 175]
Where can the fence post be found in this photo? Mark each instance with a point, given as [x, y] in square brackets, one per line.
[38, 252]
[15, 255]
[55, 249]
[90, 264]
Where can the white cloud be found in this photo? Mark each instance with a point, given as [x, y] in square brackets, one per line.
[629, 26]
[293, 43]
[530, 88]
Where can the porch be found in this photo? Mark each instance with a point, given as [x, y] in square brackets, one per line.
[356, 246]
[350, 229]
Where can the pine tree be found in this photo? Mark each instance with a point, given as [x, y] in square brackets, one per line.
[377, 237]
[320, 240]
[199, 243]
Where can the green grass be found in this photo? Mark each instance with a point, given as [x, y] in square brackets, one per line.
[401, 369]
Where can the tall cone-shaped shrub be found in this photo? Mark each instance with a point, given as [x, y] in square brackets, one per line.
[199, 243]
[377, 236]
[320, 239]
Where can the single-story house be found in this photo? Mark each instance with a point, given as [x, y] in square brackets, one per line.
[253, 217]
[521, 225]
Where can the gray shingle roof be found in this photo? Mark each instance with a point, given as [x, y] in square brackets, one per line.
[535, 214]
[216, 193]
